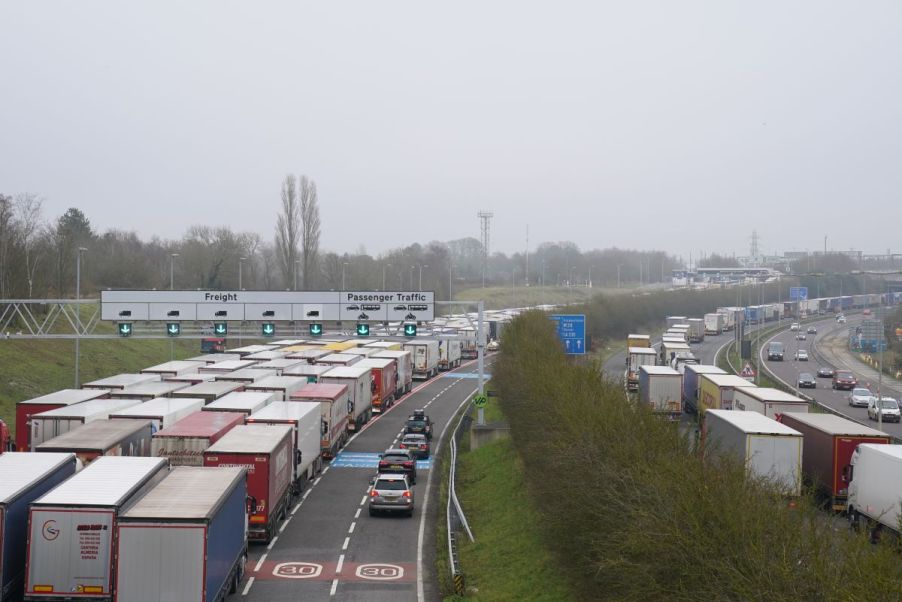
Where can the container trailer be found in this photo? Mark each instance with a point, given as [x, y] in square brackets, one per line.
[716, 391]
[449, 354]
[214, 358]
[339, 359]
[675, 320]
[714, 324]
[334, 401]
[120, 381]
[692, 383]
[875, 488]
[186, 539]
[425, 358]
[211, 391]
[360, 393]
[245, 401]
[191, 379]
[145, 391]
[183, 444]
[312, 372]
[103, 438]
[309, 355]
[766, 448]
[660, 388]
[266, 453]
[266, 356]
[245, 375]
[226, 366]
[638, 340]
[635, 358]
[767, 401]
[60, 399]
[304, 418]
[72, 529]
[280, 365]
[280, 387]
[385, 345]
[249, 349]
[53, 423]
[24, 477]
[696, 330]
[405, 368]
[162, 411]
[830, 441]
[173, 368]
[385, 382]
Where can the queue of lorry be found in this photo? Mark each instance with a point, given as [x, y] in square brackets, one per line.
[853, 468]
[163, 477]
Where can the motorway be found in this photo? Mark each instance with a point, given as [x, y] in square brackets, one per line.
[705, 351]
[826, 349]
[330, 548]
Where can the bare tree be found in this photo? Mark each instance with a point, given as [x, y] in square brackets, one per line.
[310, 229]
[6, 242]
[27, 208]
[288, 229]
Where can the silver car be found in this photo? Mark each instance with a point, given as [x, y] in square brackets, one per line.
[391, 493]
[859, 397]
[889, 408]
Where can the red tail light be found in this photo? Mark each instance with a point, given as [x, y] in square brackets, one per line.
[408, 464]
[402, 446]
[406, 494]
[373, 493]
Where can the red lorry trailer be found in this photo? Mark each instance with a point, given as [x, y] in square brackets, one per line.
[183, 443]
[827, 453]
[266, 452]
[60, 399]
[385, 381]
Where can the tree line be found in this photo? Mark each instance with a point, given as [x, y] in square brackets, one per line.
[39, 256]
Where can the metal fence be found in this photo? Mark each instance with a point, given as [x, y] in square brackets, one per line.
[454, 514]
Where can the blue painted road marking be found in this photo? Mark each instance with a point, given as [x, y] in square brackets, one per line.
[368, 460]
[464, 375]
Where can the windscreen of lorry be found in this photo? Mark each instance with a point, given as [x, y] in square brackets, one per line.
[776, 347]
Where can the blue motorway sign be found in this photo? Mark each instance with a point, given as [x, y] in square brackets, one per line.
[571, 330]
[798, 293]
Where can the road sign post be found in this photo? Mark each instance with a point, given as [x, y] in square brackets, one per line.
[571, 331]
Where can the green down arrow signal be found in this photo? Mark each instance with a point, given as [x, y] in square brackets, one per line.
[269, 329]
[316, 329]
[410, 330]
[220, 329]
[173, 329]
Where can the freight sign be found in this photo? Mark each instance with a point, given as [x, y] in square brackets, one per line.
[571, 330]
[224, 306]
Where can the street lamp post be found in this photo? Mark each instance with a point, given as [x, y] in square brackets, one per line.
[172, 257]
[78, 312]
[421, 275]
[383, 274]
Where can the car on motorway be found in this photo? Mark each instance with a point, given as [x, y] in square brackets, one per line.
[841, 319]
[801, 336]
[418, 423]
[391, 493]
[801, 355]
[807, 381]
[775, 351]
[812, 330]
[844, 379]
[417, 444]
[859, 397]
[866, 312]
[887, 407]
[493, 346]
[825, 372]
[399, 461]
[794, 326]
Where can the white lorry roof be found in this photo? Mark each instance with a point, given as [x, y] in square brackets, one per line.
[768, 394]
[246, 401]
[159, 406]
[835, 425]
[753, 423]
[107, 481]
[100, 434]
[286, 410]
[18, 470]
[175, 367]
[660, 370]
[187, 493]
[729, 380]
[250, 439]
[150, 389]
[120, 380]
[88, 408]
[355, 371]
[643, 350]
[67, 397]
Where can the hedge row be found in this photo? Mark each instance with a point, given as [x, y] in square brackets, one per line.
[632, 514]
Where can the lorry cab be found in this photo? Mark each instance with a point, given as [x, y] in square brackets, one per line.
[775, 351]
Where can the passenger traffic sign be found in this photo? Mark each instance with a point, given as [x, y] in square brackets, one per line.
[268, 329]
[125, 329]
[480, 401]
[571, 330]
[173, 329]
[221, 329]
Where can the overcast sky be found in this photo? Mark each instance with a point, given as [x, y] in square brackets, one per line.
[672, 125]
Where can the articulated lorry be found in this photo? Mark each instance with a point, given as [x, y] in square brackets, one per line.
[875, 488]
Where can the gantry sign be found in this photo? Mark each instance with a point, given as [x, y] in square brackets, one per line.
[267, 306]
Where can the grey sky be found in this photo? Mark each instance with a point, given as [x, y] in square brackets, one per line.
[674, 125]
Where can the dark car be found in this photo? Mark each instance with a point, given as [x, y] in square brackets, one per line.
[399, 461]
[844, 379]
[812, 330]
[825, 372]
[806, 381]
[418, 423]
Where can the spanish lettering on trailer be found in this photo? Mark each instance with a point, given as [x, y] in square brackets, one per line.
[183, 444]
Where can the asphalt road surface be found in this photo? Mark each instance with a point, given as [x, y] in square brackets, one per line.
[828, 348]
[330, 548]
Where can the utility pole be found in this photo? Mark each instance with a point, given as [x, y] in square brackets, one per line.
[421, 274]
[172, 257]
[480, 354]
[78, 313]
[241, 260]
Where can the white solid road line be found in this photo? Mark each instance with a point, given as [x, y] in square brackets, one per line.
[421, 592]
[247, 586]
[260, 562]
